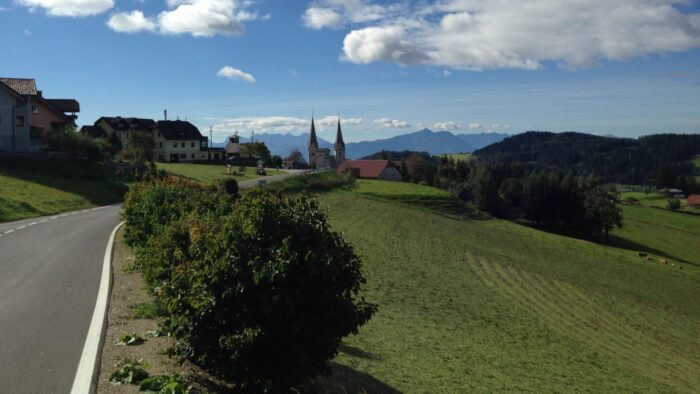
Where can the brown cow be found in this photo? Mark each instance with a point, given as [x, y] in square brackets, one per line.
[648, 258]
[663, 261]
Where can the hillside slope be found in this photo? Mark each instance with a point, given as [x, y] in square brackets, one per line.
[36, 188]
[489, 305]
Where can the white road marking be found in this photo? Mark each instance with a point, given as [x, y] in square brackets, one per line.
[42, 221]
[9, 231]
[21, 227]
[32, 223]
[53, 217]
[63, 215]
[85, 377]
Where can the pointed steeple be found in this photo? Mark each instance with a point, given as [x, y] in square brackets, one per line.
[339, 137]
[313, 142]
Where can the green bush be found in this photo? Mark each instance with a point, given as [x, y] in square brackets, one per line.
[226, 186]
[673, 204]
[151, 206]
[261, 296]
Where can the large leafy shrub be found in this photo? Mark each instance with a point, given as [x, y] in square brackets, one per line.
[262, 295]
[150, 206]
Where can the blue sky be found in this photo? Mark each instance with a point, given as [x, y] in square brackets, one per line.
[388, 67]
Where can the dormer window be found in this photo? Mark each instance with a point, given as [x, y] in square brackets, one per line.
[35, 109]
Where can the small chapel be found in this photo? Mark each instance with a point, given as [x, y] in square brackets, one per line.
[320, 158]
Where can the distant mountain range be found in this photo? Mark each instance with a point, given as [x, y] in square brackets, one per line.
[435, 143]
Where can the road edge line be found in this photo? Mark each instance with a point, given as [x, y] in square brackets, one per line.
[85, 380]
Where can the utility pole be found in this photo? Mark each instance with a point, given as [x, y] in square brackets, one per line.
[211, 135]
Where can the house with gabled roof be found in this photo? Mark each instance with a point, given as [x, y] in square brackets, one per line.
[371, 169]
[27, 117]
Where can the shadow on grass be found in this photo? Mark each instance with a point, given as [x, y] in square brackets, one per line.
[624, 243]
[88, 182]
[347, 380]
[356, 352]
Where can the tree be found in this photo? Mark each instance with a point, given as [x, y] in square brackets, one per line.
[276, 161]
[665, 177]
[673, 204]
[263, 295]
[296, 157]
[256, 150]
[139, 148]
[602, 212]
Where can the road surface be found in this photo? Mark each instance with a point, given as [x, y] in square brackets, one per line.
[270, 179]
[49, 277]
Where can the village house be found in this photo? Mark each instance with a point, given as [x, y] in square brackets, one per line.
[694, 200]
[371, 169]
[121, 127]
[178, 140]
[27, 117]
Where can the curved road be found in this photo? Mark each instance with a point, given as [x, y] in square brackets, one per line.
[49, 277]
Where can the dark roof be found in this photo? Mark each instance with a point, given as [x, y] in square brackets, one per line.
[178, 130]
[119, 123]
[365, 168]
[93, 131]
[694, 199]
[312, 137]
[339, 137]
[23, 86]
[65, 105]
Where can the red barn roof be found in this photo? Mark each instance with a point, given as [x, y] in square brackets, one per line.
[694, 199]
[365, 168]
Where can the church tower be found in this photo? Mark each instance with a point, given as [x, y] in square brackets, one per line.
[313, 144]
[339, 146]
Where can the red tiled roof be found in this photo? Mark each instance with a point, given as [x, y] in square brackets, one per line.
[25, 87]
[694, 199]
[365, 168]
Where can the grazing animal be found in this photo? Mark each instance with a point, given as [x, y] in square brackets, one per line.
[648, 258]
[663, 261]
[641, 254]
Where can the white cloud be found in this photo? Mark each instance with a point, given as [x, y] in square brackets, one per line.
[318, 18]
[475, 125]
[490, 34]
[199, 18]
[447, 126]
[72, 8]
[337, 13]
[281, 124]
[234, 73]
[130, 22]
[392, 123]
[489, 128]
[202, 18]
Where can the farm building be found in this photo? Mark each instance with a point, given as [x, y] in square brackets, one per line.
[694, 200]
[371, 169]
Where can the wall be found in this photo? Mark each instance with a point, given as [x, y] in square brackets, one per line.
[7, 119]
[165, 148]
[45, 116]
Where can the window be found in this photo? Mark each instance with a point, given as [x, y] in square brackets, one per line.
[174, 144]
[160, 144]
[192, 145]
[183, 156]
[35, 109]
[19, 121]
[182, 145]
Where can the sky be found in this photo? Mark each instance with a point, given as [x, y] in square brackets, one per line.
[623, 68]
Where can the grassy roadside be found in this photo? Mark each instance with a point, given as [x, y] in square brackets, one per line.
[36, 188]
[207, 173]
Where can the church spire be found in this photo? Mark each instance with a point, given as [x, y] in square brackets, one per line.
[339, 137]
[313, 142]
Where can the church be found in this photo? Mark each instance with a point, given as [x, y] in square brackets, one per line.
[320, 158]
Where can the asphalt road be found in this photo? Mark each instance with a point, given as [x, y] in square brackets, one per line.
[270, 179]
[49, 277]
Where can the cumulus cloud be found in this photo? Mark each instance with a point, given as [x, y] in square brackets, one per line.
[130, 22]
[281, 124]
[337, 13]
[199, 18]
[490, 34]
[392, 123]
[71, 8]
[447, 126]
[234, 73]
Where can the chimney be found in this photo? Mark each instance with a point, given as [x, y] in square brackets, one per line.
[165, 114]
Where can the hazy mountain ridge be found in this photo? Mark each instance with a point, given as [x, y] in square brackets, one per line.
[425, 140]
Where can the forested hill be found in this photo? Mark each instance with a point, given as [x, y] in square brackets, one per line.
[623, 160]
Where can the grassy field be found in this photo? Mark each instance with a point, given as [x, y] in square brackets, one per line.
[460, 156]
[488, 305]
[210, 172]
[656, 200]
[35, 188]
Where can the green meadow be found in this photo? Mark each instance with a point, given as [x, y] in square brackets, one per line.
[460, 156]
[35, 188]
[471, 304]
[209, 172]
